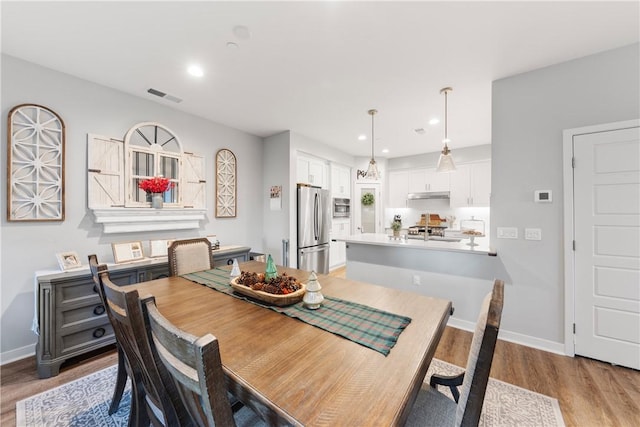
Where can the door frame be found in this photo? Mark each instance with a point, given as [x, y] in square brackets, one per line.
[569, 226]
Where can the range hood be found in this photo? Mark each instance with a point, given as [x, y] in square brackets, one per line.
[429, 195]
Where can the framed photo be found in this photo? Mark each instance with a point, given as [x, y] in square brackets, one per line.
[158, 248]
[68, 260]
[126, 252]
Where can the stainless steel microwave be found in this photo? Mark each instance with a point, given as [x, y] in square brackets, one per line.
[341, 208]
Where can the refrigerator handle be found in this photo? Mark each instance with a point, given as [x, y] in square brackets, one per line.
[285, 252]
[315, 217]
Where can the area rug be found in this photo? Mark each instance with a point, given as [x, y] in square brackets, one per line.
[85, 402]
[506, 404]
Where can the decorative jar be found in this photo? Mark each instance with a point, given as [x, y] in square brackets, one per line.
[157, 200]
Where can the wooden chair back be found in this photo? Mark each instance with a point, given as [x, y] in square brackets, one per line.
[189, 256]
[480, 358]
[122, 373]
[154, 398]
[195, 365]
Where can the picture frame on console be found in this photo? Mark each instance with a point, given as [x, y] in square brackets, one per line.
[127, 251]
[68, 260]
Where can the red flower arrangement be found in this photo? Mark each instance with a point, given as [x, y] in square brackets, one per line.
[155, 185]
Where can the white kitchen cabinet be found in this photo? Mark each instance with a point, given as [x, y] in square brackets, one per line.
[421, 180]
[340, 181]
[312, 171]
[471, 185]
[338, 250]
[398, 189]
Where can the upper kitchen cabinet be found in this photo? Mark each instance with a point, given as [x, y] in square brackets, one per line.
[421, 180]
[313, 171]
[340, 181]
[471, 185]
[398, 188]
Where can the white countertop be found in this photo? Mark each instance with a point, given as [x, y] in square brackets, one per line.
[386, 240]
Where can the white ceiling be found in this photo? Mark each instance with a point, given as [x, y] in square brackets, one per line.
[316, 67]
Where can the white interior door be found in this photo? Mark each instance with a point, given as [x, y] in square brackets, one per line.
[368, 219]
[607, 246]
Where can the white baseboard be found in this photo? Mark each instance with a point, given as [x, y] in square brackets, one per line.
[514, 337]
[17, 354]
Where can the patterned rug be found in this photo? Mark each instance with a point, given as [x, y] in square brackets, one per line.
[85, 402]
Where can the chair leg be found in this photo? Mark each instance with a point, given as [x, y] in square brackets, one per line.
[138, 417]
[121, 381]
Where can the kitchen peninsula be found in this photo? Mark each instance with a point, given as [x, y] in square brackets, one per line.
[451, 270]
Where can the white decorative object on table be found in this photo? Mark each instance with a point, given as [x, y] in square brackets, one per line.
[313, 297]
[235, 270]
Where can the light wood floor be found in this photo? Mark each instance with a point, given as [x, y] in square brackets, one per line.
[590, 393]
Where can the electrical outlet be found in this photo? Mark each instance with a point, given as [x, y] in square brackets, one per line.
[416, 279]
[533, 234]
[507, 233]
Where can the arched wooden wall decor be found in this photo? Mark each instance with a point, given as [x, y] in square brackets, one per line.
[226, 188]
[35, 164]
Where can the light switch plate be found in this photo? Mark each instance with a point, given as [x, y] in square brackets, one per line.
[507, 232]
[533, 234]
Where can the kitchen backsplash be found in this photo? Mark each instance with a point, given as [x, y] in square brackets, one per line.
[411, 215]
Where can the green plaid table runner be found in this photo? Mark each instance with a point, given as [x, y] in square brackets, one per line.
[367, 326]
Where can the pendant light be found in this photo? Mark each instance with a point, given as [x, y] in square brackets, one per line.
[372, 170]
[445, 162]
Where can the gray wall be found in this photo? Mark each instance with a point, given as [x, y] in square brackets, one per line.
[529, 113]
[277, 171]
[85, 108]
[281, 152]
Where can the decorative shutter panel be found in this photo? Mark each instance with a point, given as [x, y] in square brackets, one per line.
[194, 183]
[105, 180]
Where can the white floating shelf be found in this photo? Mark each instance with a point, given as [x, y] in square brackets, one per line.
[131, 220]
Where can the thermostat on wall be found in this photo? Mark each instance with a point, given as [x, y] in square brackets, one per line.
[542, 196]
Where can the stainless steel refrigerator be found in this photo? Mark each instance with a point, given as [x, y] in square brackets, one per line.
[314, 214]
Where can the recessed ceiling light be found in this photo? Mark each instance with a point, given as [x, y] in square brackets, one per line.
[362, 137]
[242, 32]
[195, 70]
[434, 121]
[385, 150]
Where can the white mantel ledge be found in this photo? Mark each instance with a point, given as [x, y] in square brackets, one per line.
[131, 220]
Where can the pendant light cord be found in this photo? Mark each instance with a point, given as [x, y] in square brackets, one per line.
[446, 109]
[372, 112]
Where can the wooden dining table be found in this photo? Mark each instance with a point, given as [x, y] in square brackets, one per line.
[293, 373]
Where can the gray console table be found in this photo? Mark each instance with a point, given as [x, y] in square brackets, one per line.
[71, 319]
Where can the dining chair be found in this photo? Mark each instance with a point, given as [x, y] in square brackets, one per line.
[196, 368]
[121, 375]
[154, 398]
[189, 256]
[433, 408]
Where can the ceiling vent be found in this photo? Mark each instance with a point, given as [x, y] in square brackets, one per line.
[419, 131]
[161, 94]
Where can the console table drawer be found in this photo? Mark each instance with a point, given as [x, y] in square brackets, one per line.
[82, 314]
[100, 334]
[76, 292]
